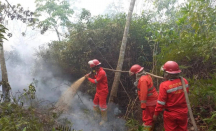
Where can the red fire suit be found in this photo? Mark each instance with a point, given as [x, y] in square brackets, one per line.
[101, 89]
[148, 97]
[172, 99]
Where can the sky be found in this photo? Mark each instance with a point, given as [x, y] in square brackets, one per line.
[96, 7]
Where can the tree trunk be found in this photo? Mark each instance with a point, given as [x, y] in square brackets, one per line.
[57, 33]
[5, 85]
[115, 84]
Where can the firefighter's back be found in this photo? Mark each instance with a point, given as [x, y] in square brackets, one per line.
[175, 96]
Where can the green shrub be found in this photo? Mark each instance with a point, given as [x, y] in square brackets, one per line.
[203, 95]
[203, 100]
[19, 115]
[211, 121]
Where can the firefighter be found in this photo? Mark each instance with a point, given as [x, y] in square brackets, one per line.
[171, 99]
[147, 94]
[99, 78]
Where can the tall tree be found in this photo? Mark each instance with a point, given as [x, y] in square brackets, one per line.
[115, 84]
[8, 12]
[5, 85]
[56, 14]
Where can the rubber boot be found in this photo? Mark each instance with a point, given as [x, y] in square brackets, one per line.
[103, 117]
[96, 112]
[147, 128]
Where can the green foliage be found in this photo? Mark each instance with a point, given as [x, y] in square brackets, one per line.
[56, 13]
[211, 121]
[203, 95]
[30, 92]
[191, 39]
[190, 42]
[2, 31]
[100, 36]
[203, 99]
[133, 125]
[166, 4]
[85, 15]
[19, 116]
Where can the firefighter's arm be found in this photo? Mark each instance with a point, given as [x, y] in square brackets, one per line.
[161, 100]
[98, 78]
[143, 93]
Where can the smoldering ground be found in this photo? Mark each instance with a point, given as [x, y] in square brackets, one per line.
[82, 118]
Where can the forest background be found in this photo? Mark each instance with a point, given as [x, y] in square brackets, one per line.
[183, 32]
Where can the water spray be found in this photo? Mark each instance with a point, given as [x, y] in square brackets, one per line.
[65, 100]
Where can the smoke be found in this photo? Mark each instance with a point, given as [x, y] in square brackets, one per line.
[81, 115]
[24, 68]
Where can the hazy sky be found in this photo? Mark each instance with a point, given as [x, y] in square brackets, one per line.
[96, 7]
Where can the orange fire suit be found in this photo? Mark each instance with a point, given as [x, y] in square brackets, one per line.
[100, 79]
[172, 99]
[148, 98]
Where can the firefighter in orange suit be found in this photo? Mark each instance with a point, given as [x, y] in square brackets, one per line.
[147, 94]
[100, 79]
[172, 99]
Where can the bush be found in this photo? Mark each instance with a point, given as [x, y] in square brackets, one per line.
[203, 101]
[203, 95]
[211, 121]
[19, 115]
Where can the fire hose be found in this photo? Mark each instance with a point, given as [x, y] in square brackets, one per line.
[160, 77]
[188, 104]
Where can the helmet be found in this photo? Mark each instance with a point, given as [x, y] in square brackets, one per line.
[171, 67]
[94, 63]
[135, 69]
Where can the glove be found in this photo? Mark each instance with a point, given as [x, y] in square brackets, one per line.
[87, 76]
